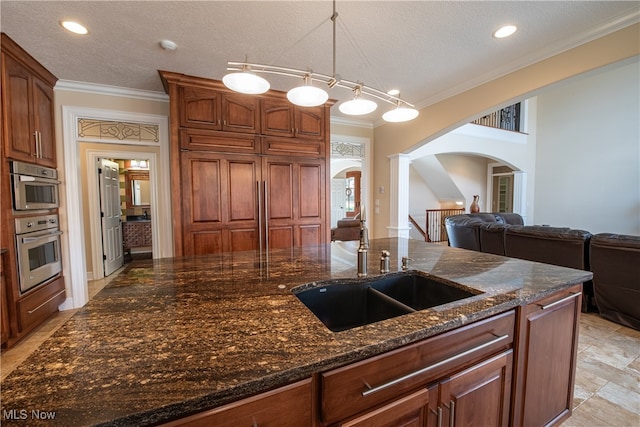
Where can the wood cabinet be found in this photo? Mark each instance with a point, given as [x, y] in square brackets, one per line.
[477, 396]
[211, 109]
[546, 362]
[288, 406]
[452, 366]
[281, 118]
[27, 107]
[4, 307]
[238, 203]
[38, 305]
[250, 170]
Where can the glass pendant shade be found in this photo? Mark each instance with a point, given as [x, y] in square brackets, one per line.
[246, 82]
[400, 114]
[307, 95]
[358, 107]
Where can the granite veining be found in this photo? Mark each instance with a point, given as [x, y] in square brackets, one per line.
[172, 337]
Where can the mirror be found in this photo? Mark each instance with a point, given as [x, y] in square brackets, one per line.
[138, 190]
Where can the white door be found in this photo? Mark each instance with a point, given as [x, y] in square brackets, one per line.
[110, 216]
[338, 200]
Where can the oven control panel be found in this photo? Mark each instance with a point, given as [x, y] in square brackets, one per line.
[36, 223]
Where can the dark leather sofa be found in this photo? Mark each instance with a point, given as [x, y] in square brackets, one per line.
[613, 259]
[615, 263]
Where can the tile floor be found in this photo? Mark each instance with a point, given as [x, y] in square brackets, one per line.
[607, 391]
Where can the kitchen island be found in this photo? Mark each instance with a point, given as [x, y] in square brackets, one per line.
[173, 337]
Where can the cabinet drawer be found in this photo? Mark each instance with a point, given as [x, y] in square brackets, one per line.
[202, 140]
[356, 387]
[293, 147]
[40, 304]
[288, 406]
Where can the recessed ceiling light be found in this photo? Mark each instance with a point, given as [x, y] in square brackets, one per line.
[74, 27]
[505, 31]
[393, 92]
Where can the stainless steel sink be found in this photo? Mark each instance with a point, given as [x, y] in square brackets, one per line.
[348, 303]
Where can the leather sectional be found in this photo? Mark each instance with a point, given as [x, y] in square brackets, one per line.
[614, 259]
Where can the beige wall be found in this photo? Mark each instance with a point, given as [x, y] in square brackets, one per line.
[588, 153]
[440, 118]
[89, 100]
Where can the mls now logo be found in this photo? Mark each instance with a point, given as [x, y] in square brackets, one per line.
[23, 414]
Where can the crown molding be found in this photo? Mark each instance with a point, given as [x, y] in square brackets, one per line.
[335, 120]
[100, 89]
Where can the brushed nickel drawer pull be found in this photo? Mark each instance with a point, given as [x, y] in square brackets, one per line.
[560, 301]
[46, 302]
[435, 365]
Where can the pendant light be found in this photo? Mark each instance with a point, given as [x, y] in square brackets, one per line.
[358, 105]
[307, 95]
[400, 114]
[244, 81]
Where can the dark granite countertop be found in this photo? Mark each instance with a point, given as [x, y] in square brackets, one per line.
[171, 337]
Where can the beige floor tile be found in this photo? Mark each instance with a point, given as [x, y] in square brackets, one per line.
[621, 396]
[617, 354]
[635, 365]
[587, 384]
[598, 411]
[624, 377]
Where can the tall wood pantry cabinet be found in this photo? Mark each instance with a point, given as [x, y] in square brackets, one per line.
[248, 172]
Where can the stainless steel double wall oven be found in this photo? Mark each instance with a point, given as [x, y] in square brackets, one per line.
[35, 191]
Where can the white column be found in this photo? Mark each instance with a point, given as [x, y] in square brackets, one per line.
[399, 195]
[520, 194]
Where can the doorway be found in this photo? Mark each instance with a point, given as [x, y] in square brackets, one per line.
[123, 158]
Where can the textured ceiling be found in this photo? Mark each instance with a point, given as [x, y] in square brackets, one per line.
[428, 49]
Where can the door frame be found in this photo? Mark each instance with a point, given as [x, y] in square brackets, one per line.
[73, 240]
[94, 202]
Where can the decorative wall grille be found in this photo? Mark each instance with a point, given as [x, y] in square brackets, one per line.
[107, 129]
[347, 149]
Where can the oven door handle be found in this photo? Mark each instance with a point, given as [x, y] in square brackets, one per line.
[35, 239]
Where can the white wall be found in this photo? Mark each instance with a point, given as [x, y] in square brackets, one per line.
[588, 153]
[421, 197]
[469, 174]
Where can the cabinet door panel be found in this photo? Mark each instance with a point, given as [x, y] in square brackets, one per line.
[281, 237]
[310, 185]
[204, 242]
[242, 240]
[310, 122]
[280, 190]
[203, 189]
[479, 395]
[409, 411]
[277, 118]
[240, 113]
[242, 185]
[310, 235]
[552, 334]
[219, 202]
[19, 142]
[200, 108]
[43, 122]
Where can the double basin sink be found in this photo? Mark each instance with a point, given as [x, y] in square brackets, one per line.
[343, 304]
